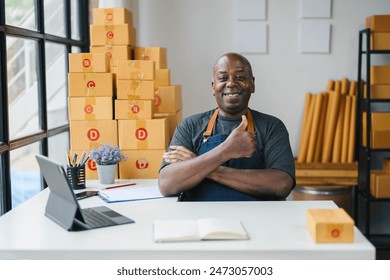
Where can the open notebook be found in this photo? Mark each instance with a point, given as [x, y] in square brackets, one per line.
[196, 230]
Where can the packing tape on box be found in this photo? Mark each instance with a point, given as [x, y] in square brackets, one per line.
[109, 35]
[86, 60]
[136, 74]
[135, 85]
[133, 109]
[91, 84]
[146, 54]
[108, 16]
[89, 108]
[141, 134]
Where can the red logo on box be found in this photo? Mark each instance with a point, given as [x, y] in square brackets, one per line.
[91, 84]
[142, 163]
[93, 134]
[141, 134]
[157, 100]
[109, 17]
[88, 109]
[110, 34]
[86, 62]
[135, 109]
[335, 233]
[91, 165]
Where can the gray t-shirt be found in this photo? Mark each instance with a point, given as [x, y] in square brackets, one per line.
[273, 144]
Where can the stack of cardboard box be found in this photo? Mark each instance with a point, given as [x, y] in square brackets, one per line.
[141, 137]
[112, 32]
[379, 26]
[167, 97]
[90, 104]
[146, 108]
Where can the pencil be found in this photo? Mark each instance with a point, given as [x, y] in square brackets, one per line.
[119, 186]
[67, 158]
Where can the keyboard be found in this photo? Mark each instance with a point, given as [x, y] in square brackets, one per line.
[96, 219]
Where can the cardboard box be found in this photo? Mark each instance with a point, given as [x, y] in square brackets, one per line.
[87, 135]
[135, 89]
[90, 84]
[380, 184]
[173, 120]
[168, 99]
[380, 74]
[89, 62]
[90, 108]
[133, 109]
[115, 53]
[380, 121]
[107, 16]
[136, 70]
[330, 225]
[378, 91]
[106, 35]
[379, 139]
[143, 134]
[141, 164]
[380, 41]
[156, 54]
[386, 166]
[162, 77]
[378, 23]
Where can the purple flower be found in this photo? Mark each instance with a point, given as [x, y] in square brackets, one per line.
[107, 154]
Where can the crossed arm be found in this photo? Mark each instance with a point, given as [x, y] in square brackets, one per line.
[186, 169]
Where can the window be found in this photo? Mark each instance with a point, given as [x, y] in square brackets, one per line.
[35, 39]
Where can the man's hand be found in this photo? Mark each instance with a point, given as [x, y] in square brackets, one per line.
[240, 142]
[178, 153]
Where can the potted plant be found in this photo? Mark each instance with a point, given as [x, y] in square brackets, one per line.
[107, 156]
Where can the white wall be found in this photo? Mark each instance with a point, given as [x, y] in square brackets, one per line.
[197, 32]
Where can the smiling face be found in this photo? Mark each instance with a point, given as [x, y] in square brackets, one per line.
[233, 84]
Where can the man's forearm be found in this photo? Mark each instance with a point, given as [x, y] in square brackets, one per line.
[256, 182]
[184, 175]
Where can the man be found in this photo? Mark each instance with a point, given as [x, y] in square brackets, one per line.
[232, 152]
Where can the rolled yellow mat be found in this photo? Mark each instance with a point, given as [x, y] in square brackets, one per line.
[313, 139]
[320, 142]
[330, 86]
[344, 86]
[352, 131]
[337, 86]
[346, 132]
[332, 122]
[353, 88]
[338, 137]
[306, 124]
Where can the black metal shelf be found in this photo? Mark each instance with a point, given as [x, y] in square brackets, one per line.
[365, 154]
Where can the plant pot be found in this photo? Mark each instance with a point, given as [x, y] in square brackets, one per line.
[106, 173]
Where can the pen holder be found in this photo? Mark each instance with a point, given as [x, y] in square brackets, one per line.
[76, 177]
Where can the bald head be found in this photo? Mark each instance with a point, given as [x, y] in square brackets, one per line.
[232, 55]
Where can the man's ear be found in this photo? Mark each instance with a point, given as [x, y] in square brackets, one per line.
[212, 86]
[253, 85]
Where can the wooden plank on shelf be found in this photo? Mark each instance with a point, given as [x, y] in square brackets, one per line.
[326, 173]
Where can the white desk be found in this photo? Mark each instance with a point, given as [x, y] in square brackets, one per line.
[277, 230]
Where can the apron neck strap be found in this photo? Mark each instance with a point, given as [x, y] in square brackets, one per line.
[211, 123]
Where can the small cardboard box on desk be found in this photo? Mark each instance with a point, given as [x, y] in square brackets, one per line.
[330, 225]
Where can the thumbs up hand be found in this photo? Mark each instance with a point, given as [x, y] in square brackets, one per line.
[240, 143]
